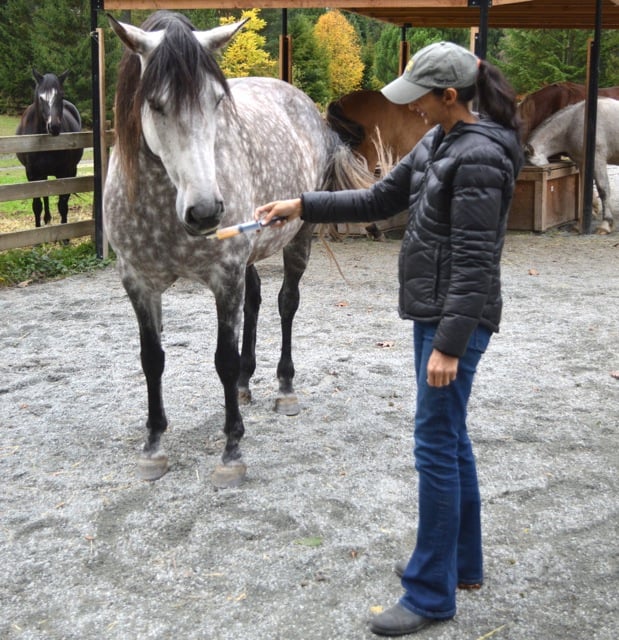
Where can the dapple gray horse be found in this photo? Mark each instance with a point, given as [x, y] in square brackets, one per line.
[563, 133]
[195, 153]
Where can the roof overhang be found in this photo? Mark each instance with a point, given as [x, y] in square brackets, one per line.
[519, 14]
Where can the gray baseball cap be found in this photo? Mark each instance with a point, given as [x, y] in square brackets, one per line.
[437, 66]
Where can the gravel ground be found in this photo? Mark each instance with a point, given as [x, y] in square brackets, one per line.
[305, 547]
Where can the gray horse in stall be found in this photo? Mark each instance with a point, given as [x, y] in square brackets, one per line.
[563, 133]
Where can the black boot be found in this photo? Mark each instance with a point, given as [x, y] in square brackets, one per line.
[398, 621]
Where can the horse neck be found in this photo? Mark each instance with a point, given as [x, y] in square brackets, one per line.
[549, 138]
[33, 120]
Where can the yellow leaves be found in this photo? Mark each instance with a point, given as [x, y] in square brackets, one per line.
[339, 39]
[245, 55]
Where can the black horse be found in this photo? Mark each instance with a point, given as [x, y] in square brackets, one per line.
[50, 113]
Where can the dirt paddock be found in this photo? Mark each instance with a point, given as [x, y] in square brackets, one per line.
[304, 548]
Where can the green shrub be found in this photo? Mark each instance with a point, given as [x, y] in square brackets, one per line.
[48, 262]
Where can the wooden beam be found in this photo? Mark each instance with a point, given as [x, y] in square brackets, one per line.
[520, 14]
[350, 5]
[50, 233]
[28, 143]
[40, 188]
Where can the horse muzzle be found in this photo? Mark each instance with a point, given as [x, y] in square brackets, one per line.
[201, 219]
[53, 129]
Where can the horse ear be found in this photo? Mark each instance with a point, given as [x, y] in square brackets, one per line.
[219, 37]
[37, 76]
[528, 150]
[139, 41]
[63, 76]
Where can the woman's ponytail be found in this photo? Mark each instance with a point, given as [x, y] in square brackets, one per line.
[496, 97]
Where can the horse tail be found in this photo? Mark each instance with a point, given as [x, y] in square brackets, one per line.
[348, 169]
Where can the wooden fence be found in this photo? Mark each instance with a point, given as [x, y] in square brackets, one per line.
[40, 188]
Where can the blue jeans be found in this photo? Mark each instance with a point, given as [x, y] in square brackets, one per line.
[448, 549]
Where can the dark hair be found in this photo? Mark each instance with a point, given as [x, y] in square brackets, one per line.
[495, 96]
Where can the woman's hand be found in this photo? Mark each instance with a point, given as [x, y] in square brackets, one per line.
[285, 209]
[442, 369]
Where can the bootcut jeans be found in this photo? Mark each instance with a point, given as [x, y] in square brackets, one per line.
[448, 550]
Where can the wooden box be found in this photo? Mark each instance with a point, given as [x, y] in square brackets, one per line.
[545, 197]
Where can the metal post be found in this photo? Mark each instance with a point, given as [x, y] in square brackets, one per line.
[481, 39]
[95, 6]
[591, 123]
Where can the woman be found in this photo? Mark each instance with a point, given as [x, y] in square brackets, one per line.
[457, 184]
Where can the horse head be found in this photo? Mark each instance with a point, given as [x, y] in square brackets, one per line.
[179, 91]
[49, 99]
[534, 157]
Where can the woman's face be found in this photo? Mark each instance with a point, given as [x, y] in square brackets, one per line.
[430, 108]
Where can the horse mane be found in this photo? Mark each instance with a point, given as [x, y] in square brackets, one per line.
[178, 66]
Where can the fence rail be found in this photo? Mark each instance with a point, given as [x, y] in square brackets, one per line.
[41, 188]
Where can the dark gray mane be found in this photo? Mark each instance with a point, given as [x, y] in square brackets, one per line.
[178, 65]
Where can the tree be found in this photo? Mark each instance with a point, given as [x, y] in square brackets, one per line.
[245, 55]
[386, 56]
[310, 66]
[536, 57]
[339, 40]
[16, 60]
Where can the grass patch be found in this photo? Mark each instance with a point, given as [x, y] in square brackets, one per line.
[8, 125]
[48, 262]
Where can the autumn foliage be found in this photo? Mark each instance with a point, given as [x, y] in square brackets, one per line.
[245, 55]
[339, 40]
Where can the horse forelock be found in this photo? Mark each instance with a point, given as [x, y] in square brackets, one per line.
[179, 67]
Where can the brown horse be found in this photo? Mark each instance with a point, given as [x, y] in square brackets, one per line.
[541, 104]
[357, 116]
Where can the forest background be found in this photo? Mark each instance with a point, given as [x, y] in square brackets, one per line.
[334, 52]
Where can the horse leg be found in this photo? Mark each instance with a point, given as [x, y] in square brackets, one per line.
[228, 364]
[602, 184]
[250, 323]
[37, 207]
[63, 207]
[296, 256]
[153, 462]
[47, 218]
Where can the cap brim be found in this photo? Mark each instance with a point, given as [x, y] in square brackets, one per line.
[401, 91]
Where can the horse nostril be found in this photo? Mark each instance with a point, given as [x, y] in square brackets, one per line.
[202, 218]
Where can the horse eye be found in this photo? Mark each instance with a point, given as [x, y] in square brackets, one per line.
[156, 106]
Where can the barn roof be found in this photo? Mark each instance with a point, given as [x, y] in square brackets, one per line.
[521, 14]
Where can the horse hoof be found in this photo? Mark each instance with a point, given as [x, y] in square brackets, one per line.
[603, 229]
[244, 396]
[229, 475]
[287, 405]
[152, 466]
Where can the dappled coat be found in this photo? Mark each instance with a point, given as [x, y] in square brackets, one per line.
[458, 189]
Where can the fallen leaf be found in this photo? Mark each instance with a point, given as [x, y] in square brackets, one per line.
[615, 375]
[341, 303]
[376, 609]
[312, 541]
[533, 272]
[385, 344]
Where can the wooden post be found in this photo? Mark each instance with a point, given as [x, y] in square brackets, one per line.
[285, 58]
[104, 247]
